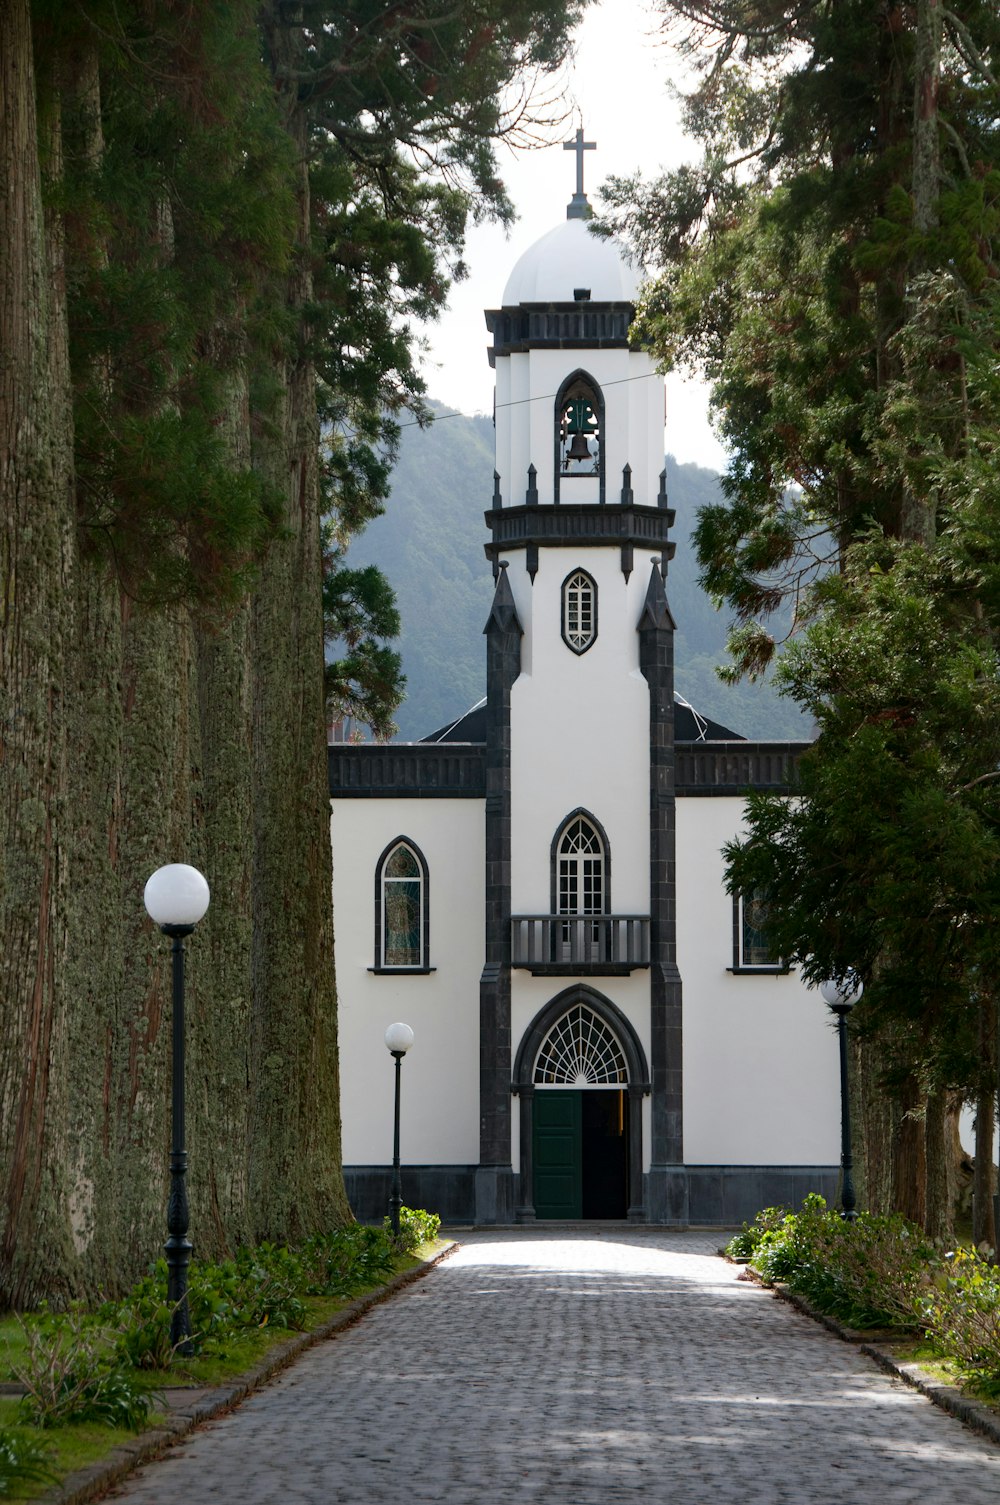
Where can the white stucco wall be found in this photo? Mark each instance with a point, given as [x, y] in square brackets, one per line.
[526, 388]
[579, 728]
[439, 1113]
[761, 1066]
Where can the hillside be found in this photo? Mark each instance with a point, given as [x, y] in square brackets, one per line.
[430, 545]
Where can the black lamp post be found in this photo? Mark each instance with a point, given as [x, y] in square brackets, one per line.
[398, 1039]
[176, 898]
[840, 995]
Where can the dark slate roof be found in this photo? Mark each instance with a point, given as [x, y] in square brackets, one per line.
[689, 726]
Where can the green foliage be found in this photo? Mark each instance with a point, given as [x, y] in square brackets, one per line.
[342, 1263]
[23, 1460]
[261, 1287]
[961, 1312]
[416, 1227]
[868, 1273]
[359, 614]
[71, 1374]
[837, 283]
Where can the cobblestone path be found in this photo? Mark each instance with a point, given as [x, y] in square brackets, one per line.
[580, 1368]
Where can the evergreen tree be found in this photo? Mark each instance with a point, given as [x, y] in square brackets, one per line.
[221, 220]
[831, 264]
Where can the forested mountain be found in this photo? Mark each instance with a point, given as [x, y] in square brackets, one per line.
[430, 545]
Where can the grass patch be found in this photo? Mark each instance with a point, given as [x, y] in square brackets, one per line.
[76, 1446]
[68, 1448]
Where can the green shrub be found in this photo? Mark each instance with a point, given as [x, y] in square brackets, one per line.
[415, 1228]
[960, 1308]
[343, 1262]
[744, 1245]
[868, 1273]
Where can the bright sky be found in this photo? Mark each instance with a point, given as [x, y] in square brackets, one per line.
[618, 87]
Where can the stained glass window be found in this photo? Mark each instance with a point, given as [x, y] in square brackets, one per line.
[402, 909]
[755, 948]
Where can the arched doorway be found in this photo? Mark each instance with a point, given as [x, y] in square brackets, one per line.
[581, 1074]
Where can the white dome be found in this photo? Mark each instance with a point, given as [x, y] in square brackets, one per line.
[567, 258]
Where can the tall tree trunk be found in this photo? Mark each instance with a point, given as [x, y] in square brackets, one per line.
[295, 1176]
[984, 1228]
[220, 1011]
[874, 1117]
[37, 1254]
[943, 1153]
[910, 1155]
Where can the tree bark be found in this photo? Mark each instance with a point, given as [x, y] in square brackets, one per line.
[220, 1012]
[37, 1255]
[296, 1183]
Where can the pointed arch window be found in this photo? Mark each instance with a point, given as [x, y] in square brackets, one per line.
[580, 868]
[401, 909]
[579, 611]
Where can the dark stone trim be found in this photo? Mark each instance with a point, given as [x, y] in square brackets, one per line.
[418, 770]
[457, 770]
[759, 971]
[559, 326]
[576, 570]
[401, 971]
[638, 1084]
[592, 820]
[656, 662]
[585, 969]
[720, 1196]
[728, 1195]
[728, 768]
[494, 1184]
[425, 884]
[579, 375]
[448, 1190]
[583, 524]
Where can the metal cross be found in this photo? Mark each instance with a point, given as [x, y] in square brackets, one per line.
[579, 146]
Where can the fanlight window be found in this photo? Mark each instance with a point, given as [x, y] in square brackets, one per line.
[579, 419]
[581, 869]
[580, 1051]
[579, 611]
[403, 900]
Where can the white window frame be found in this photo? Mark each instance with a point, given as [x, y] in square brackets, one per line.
[577, 586]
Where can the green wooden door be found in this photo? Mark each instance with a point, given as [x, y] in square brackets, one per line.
[558, 1154]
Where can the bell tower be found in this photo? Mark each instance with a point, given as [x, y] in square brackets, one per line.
[580, 922]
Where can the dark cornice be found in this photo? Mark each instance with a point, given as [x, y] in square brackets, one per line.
[732, 768]
[457, 770]
[580, 525]
[559, 326]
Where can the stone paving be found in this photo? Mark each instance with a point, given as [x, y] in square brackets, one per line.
[580, 1368]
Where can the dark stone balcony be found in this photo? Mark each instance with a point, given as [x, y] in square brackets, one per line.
[550, 945]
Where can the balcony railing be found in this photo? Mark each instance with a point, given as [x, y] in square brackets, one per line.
[579, 944]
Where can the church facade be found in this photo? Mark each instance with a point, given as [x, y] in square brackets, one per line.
[601, 1031]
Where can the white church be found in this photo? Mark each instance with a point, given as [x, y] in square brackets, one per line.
[601, 1030]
